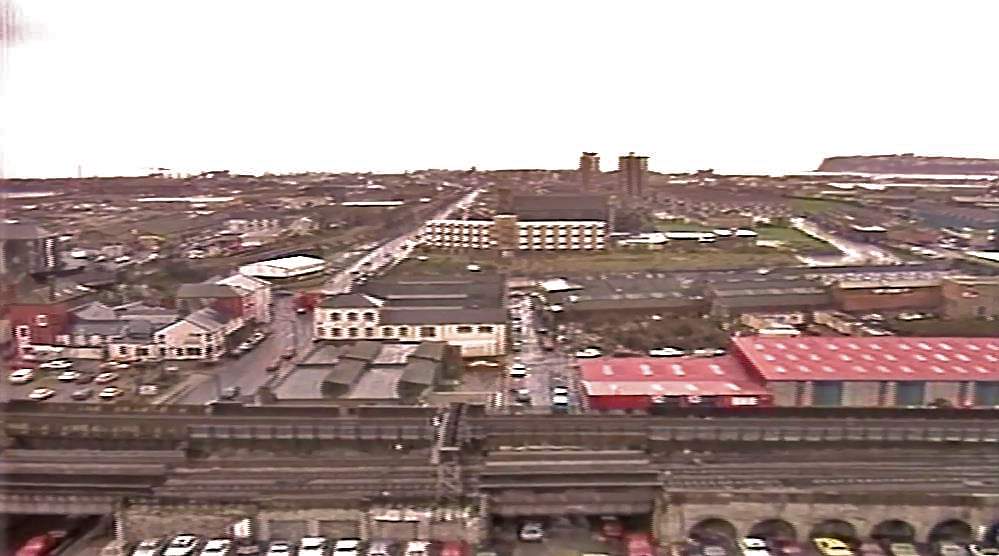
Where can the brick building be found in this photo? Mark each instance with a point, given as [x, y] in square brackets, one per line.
[887, 295]
[970, 297]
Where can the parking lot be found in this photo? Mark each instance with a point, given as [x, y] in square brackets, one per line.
[84, 380]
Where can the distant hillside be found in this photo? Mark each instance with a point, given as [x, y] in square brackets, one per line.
[909, 164]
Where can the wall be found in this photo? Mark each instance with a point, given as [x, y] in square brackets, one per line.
[55, 319]
[864, 299]
[743, 510]
[949, 391]
[981, 300]
[861, 393]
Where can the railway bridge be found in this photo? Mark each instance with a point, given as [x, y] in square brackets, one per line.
[377, 471]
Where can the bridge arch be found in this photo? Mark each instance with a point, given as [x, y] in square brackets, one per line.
[951, 530]
[774, 529]
[895, 530]
[836, 528]
[713, 528]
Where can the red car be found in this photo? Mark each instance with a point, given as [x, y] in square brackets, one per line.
[454, 548]
[41, 545]
[638, 544]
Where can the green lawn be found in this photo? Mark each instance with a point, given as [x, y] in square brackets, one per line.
[793, 239]
[807, 206]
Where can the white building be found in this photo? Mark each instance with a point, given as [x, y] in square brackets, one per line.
[532, 235]
[466, 313]
[287, 267]
[199, 336]
[254, 293]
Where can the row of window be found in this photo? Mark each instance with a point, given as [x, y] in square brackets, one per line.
[352, 316]
[400, 332]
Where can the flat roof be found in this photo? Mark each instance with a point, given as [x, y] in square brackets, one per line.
[882, 358]
[667, 376]
[293, 263]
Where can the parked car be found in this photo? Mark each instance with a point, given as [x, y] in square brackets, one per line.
[279, 548]
[85, 378]
[977, 550]
[41, 545]
[313, 546]
[147, 547]
[217, 547]
[708, 352]
[638, 544]
[454, 548]
[273, 366]
[950, 549]
[381, 548]
[109, 393]
[532, 531]
[105, 378]
[522, 395]
[754, 546]
[666, 352]
[347, 547]
[518, 370]
[181, 545]
[57, 365]
[21, 376]
[417, 548]
[832, 547]
[610, 526]
[82, 394]
[589, 352]
[68, 375]
[288, 353]
[560, 401]
[902, 549]
[39, 394]
[149, 390]
[232, 393]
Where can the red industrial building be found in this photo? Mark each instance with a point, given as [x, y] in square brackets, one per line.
[874, 371]
[636, 383]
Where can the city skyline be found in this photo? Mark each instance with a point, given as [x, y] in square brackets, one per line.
[117, 87]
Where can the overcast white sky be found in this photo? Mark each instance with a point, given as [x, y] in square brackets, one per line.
[121, 86]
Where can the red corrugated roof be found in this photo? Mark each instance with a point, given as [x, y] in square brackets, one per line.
[667, 376]
[895, 359]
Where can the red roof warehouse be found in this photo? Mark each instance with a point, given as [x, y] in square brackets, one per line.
[874, 371]
[633, 382]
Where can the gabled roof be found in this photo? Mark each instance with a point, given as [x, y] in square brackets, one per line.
[351, 301]
[346, 372]
[198, 291]
[434, 351]
[140, 308]
[22, 231]
[363, 350]
[207, 318]
[321, 354]
[95, 311]
[242, 281]
[420, 371]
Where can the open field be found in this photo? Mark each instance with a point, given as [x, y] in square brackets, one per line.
[795, 240]
[805, 207]
[596, 261]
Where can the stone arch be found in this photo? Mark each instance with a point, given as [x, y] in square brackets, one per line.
[951, 530]
[835, 528]
[773, 529]
[713, 528]
[894, 530]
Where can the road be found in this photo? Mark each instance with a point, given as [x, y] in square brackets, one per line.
[854, 253]
[249, 371]
[389, 252]
[547, 368]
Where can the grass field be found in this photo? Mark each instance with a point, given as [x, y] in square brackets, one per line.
[805, 207]
[792, 239]
[595, 261]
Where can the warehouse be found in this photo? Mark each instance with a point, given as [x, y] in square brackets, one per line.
[638, 383]
[874, 372]
[288, 267]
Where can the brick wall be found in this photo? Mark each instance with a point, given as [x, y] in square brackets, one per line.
[866, 300]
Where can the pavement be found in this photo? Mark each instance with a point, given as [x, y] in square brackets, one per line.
[249, 371]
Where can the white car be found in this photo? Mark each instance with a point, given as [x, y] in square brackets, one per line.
[148, 547]
[68, 375]
[109, 393]
[149, 390]
[105, 378]
[532, 531]
[589, 352]
[417, 548]
[58, 364]
[560, 391]
[708, 352]
[39, 394]
[312, 546]
[217, 547]
[667, 352]
[560, 400]
[982, 551]
[754, 546]
[21, 376]
[181, 545]
[346, 547]
[279, 548]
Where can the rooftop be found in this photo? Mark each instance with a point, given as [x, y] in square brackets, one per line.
[883, 358]
[198, 291]
[674, 376]
[22, 230]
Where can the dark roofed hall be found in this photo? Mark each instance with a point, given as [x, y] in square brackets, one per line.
[364, 350]
[443, 316]
[348, 300]
[321, 354]
[346, 372]
[560, 207]
[435, 351]
[419, 371]
[22, 231]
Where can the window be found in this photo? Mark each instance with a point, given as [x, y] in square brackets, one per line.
[428, 331]
[464, 330]
[208, 350]
[194, 351]
[403, 331]
[142, 352]
[334, 315]
[42, 320]
[23, 331]
[369, 332]
[352, 332]
[485, 329]
[369, 316]
[387, 331]
[122, 350]
[336, 332]
[352, 316]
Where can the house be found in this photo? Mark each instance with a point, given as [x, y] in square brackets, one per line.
[200, 335]
[254, 295]
[466, 312]
[887, 295]
[970, 297]
[125, 332]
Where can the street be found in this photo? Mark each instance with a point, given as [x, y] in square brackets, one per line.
[854, 253]
[249, 371]
[547, 368]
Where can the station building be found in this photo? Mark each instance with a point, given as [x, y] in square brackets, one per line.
[874, 371]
